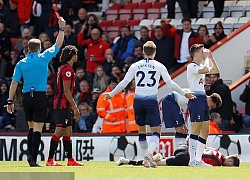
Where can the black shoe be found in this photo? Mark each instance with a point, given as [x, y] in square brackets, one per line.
[29, 159]
[35, 164]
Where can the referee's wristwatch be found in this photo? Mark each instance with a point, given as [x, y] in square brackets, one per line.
[61, 28]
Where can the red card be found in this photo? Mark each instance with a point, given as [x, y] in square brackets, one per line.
[57, 15]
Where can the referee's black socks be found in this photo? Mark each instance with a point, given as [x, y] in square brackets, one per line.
[30, 137]
[35, 144]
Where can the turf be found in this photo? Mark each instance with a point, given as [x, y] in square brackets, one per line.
[109, 171]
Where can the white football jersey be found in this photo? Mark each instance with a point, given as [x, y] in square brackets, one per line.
[195, 80]
[147, 73]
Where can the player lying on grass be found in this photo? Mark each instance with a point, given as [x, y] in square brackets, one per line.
[181, 158]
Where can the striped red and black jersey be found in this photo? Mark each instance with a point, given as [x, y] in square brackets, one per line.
[65, 74]
[213, 157]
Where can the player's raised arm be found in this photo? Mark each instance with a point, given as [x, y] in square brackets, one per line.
[60, 37]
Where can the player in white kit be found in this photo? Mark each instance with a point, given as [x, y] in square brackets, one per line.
[147, 73]
[198, 107]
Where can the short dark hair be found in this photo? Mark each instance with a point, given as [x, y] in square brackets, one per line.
[216, 99]
[34, 45]
[67, 53]
[195, 48]
[236, 159]
[186, 19]
[144, 27]
[126, 26]
[149, 48]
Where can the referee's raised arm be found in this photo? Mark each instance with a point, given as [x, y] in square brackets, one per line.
[60, 37]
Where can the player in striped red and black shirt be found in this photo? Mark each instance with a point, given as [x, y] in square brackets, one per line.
[63, 106]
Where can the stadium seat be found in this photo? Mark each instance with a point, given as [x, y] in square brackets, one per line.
[119, 23]
[113, 31]
[139, 14]
[238, 10]
[150, 1]
[136, 1]
[175, 22]
[231, 20]
[112, 14]
[125, 14]
[105, 23]
[130, 6]
[228, 28]
[13, 42]
[215, 20]
[146, 22]
[153, 13]
[247, 11]
[133, 23]
[158, 5]
[178, 13]
[164, 12]
[157, 22]
[116, 6]
[202, 21]
[144, 5]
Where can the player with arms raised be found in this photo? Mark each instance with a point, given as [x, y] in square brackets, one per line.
[147, 74]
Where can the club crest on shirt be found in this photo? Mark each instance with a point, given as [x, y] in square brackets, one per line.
[52, 49]
[68, 73]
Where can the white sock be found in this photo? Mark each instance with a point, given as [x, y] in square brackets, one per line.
[153, 144]
[144, 147]
[192, 149]
[199, 150]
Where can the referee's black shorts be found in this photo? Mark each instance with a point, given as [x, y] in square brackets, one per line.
[35, 108]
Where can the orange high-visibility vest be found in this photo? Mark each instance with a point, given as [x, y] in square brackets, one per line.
[113, 112]
[213, 128]
[132, 126]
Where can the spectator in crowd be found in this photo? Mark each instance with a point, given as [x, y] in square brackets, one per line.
[218, 7]
[138, 55]
[188, 8]
[184, 39]
[110, 61]
[12, 22]
[207, 85]
[87, 119]
[245, 97]
[3, 11]
[106, 38]
[3, 64]
[26, 34]
[113, 112]
[8, 121]
[100, 80]
[117, 72]
[124, 47]
[69, 37]
[43, 37]
[95, 95]
[218, 34]
[226, 109]
[24, 51]
[51, 77]
[24, 10]
[130, 94]
[96, 49]
[11, 64]
[144, 33]
[214, 123]
[49, 123]
[5, 43]
[47, 44]
[203, 32]
[82, 14]
[90, 24]
[236, 121]
[85, 93]
[81, 75]
[164, 48]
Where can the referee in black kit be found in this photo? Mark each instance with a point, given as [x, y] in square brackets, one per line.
[34, 70]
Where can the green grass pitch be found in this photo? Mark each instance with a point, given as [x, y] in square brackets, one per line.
[109, 171]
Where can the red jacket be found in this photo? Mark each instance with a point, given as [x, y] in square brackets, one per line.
[24, 9]
[96, 48]
[194, 38]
